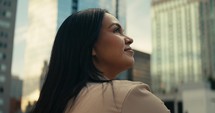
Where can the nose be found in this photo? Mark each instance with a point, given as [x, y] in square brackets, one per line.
[128, 40]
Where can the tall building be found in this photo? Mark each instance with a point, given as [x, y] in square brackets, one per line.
[43, 74]
[7, 26]
[141, 68]
[183, 41]
[198, 98]
[42, 23]
[16, 87]
[15, 94]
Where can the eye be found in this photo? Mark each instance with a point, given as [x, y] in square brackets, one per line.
[117, 30]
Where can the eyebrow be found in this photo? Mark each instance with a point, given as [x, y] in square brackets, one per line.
[117, 24]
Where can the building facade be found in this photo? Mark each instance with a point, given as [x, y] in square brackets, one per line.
[7, 26]
[198, 98]
[141, 68]
[42, 19]
[15, 94]
[183, 42]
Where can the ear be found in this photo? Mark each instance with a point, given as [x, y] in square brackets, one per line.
[93, 52]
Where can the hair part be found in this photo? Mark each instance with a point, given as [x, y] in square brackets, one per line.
[71, 64]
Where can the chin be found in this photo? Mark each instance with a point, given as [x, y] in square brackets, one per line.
[130, 63]
[130, 60]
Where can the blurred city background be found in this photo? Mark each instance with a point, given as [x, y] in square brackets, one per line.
[174, 42]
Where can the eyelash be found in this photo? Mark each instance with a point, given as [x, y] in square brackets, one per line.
[118, 30]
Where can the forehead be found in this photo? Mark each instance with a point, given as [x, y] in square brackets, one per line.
[108, 20]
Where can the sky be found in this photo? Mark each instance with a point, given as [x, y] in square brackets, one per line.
[19, 39]
[138, 27]
[139, 24]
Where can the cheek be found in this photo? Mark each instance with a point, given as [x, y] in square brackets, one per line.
[112, 42]
[110, 45]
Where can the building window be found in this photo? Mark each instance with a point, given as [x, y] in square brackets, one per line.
[4, 24]
[74, 5]
[3, 13]
[2, 78]
[1, 102]
[3, 45]
[9, 3]
[2, 34]
[8, 14]
[3, 67]
[5, 3]
[1, 90]
[2, 56]
[5, 35]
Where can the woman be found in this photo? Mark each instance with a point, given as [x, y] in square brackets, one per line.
[90, 49]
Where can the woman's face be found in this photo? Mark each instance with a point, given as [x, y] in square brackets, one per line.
[112, 52]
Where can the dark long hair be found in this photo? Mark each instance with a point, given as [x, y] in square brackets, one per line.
[71, 64]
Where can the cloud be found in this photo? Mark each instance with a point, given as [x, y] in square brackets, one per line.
[18, 50]
[20, 34]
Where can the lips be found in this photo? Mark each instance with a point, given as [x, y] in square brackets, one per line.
[129, 51]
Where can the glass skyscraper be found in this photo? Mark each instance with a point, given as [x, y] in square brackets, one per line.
[183, 39]
[7, 26]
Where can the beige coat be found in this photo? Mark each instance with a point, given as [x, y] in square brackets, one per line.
[119, 97]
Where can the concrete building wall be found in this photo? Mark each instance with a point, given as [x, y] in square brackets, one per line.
[7, 26]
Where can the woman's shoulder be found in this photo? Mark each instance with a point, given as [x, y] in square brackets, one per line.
[123, 88]
[139, 98]
[119, 87]
[126, 84]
